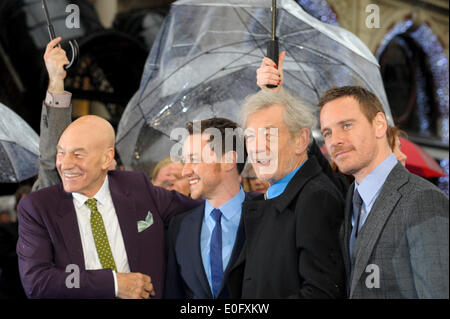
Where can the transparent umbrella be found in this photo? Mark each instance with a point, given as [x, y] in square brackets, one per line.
[19, 148]
[203, 64]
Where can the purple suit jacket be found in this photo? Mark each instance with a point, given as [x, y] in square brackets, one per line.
[49, 237]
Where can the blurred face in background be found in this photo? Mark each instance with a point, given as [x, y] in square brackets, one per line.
[169, 177]
[258, 185]
[5, 218]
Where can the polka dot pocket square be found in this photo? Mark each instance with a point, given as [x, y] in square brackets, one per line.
[144, 224]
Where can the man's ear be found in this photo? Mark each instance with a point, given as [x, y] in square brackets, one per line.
[230, 160]
[108, 158]
[302, 141]
[380, 125]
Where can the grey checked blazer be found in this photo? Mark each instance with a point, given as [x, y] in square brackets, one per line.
[404, 239]
[59, 118]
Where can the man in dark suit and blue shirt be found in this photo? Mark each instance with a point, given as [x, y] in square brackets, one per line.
[204, 242]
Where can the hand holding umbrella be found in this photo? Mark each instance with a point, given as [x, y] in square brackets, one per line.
[55, 59]
[51, 31]
[269, 73]
[272, 48]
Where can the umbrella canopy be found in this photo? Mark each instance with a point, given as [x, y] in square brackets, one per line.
[203, 64]
[19, 148]
[418, 161]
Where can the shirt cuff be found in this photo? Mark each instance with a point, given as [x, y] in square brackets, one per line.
[58, 100]
[116, 290]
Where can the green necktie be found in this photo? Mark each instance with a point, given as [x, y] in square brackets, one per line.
[100, 236]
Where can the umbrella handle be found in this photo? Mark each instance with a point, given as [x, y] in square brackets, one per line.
[75, 53]
[51, 31]
[272, 53]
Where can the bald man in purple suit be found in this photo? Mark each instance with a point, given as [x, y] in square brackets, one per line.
[99, 234]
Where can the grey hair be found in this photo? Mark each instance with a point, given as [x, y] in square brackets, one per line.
[297, 114]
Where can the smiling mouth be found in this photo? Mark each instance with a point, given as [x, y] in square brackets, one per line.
[68, 176]
[194, 181]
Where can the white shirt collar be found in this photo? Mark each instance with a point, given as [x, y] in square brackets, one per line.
[101, 195]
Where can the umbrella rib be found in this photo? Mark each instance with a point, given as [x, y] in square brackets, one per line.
[280, 38]
[212, 75]
[257, 21]
[165, 134]
[247, 54]
[306, 75]
[134, 124]
[193, 88]
[299, 32]
[355, 74]
[194, 58]
[240, 18]
[227, 67]
[145, 122]
[319, 73]
[8, 158]
[297, 78]
[314, 50]
[245, 25]
[318, 53]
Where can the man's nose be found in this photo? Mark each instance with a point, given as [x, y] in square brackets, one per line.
[336, 139]
[65, 162]
[258, 146]
[187, 170]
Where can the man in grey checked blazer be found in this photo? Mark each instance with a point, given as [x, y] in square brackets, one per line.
[399, 249]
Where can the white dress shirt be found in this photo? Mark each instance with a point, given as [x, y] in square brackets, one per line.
[106, 208]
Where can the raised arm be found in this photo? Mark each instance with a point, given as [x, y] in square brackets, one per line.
[55, 117]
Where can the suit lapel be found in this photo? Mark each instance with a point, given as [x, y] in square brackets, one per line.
[381, 210]
[193, 258]
[238, 244]
[309, 170]
[347, 230]
[70, 230]
[252, 212]
[126, 214]
[200, 269]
